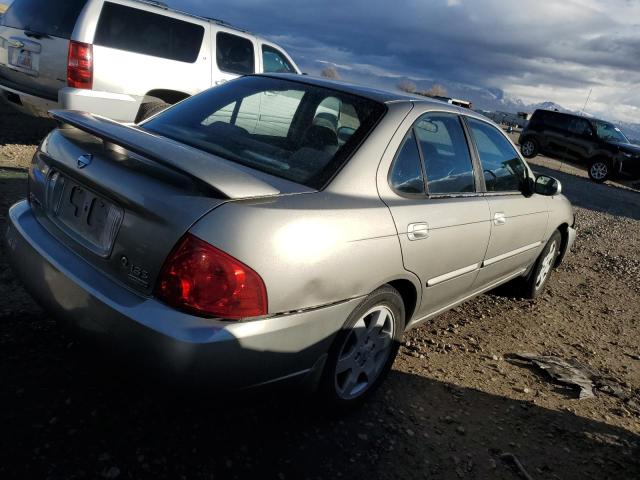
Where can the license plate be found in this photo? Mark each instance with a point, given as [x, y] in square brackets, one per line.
[87, 216]
[24, 60]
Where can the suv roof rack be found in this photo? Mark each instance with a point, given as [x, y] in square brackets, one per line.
[217, 21]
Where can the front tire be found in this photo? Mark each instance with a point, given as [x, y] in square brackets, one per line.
[538, 277]
[364, 350]
[529, 148]
[599, 171]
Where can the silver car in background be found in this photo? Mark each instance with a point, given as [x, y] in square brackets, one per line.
[281, 228]
[123, 59]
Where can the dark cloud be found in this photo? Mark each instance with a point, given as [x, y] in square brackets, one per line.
[568, 46]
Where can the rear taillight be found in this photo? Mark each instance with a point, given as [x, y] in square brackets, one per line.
[200, 279]
[80, 65]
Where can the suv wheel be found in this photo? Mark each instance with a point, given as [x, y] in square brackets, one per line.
[529, 148]
[149, 109]
[599, 171]
[364, 350]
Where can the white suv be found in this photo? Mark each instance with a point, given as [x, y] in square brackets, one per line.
[124, 59]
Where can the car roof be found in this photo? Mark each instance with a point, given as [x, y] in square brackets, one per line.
[378, 95]
[592, 119]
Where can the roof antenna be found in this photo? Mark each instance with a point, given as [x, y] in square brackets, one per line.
[585, 103]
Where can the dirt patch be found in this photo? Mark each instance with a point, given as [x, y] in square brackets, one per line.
[452, 408]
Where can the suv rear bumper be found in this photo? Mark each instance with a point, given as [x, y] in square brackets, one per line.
[119, 107]
[229, 355]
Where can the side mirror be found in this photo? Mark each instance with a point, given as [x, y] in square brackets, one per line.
[545, 185]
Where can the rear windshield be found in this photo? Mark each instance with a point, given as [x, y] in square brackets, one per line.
[139, 31]
[48, 17]
[289, 129]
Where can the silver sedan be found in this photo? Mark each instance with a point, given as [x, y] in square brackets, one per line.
[281, 228]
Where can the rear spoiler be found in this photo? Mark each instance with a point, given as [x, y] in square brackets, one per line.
[221, 175]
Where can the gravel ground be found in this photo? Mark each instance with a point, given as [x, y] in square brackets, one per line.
[453, 407]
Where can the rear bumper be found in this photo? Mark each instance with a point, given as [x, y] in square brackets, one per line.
[227, 355]
[119, 107]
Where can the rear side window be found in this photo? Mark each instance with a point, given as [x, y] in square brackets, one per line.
[446, 154]
[139, 31]
[557, 120]
[274, 61]
[406, 172]
[49, 17]
[234, 54]
[503, 169]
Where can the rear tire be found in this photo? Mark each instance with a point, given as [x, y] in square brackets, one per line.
[149, 109]
[537, 279]
[529, 148]
[364, 350]
[600, 170]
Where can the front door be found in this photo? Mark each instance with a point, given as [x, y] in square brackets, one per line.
[518, 222]
[441, 219]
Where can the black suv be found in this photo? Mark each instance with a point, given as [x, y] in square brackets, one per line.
[598, 143]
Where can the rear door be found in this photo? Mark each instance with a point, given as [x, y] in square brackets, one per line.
[441, 218]
[580, 140]
[34, 45]
[518, 223]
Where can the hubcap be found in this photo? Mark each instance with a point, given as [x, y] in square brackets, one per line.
[528, 148]
[547, 263]
[599, 170]
[364, 352]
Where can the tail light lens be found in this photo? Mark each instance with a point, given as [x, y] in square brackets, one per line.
[200, 279]
[80, 65]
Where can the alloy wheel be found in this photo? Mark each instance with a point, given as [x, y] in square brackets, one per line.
[364, 352]
[599, 170]
[547, 263]
[528, 148]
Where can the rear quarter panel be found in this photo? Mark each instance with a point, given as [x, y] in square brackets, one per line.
[310, 249]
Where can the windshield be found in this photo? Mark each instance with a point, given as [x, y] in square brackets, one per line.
[289, 129]
[609, 132]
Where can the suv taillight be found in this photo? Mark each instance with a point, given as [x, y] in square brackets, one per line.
[80, 65]
[200, 279]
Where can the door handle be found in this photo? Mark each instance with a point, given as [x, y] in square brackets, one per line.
[499, 219]
[418, 231]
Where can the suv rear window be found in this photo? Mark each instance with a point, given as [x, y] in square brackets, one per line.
[268, 124]
[234, 54]
[139, 31]
[48, 17]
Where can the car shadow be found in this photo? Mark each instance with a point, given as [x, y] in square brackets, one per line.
[20, 129]
[584, 193]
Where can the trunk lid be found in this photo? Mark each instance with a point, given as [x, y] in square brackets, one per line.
[34, 45]
[122, 198]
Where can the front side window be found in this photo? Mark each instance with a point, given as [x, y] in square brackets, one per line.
[503, 169]
[444, 148]
[139, 31]
[268, 124]
[234, 54]
[274, 61]
[609, 132]
[406, 175]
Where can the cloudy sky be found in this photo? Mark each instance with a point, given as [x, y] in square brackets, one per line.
[534, 51]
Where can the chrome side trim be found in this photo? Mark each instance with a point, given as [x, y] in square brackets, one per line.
[512, 253]
[486, 288]
[456, 273]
